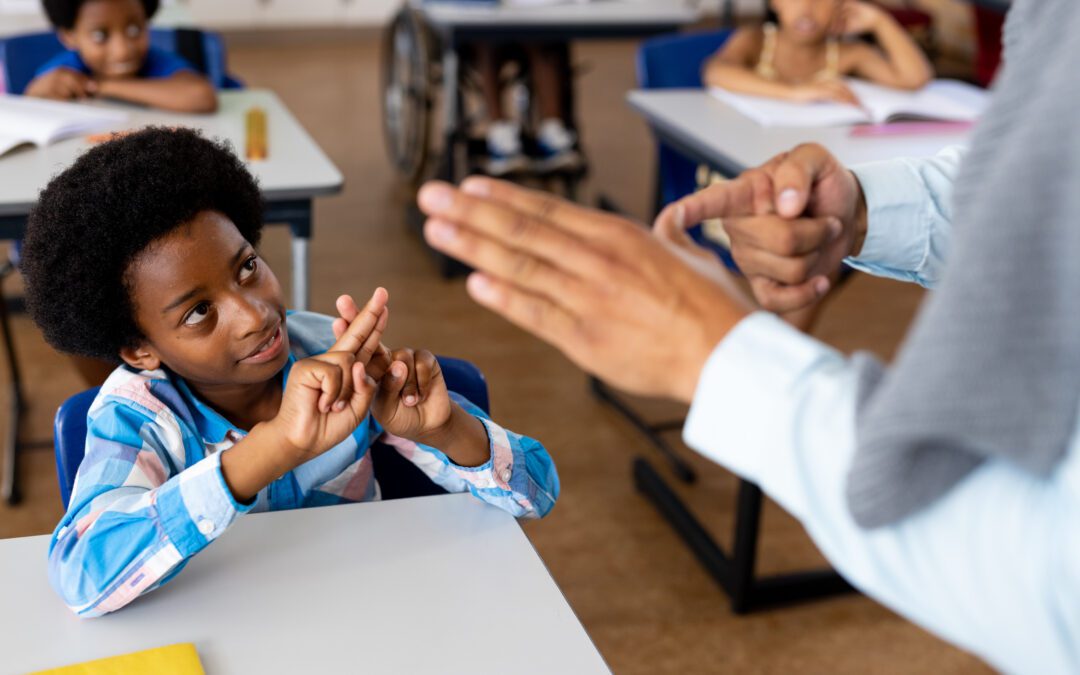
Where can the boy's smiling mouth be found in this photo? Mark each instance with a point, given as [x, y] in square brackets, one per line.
[267, 350]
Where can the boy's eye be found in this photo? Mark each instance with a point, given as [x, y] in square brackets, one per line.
[134, 30]
[197, 314]
[248, 267]
[98, 37]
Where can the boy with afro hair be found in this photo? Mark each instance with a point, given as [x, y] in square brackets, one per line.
[143, 252]
[109, 56]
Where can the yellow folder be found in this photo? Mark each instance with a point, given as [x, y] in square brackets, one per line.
[180, 659]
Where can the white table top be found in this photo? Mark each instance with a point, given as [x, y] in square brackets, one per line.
[431, 585]
[296, 168]
[595, 13]
[728, 140]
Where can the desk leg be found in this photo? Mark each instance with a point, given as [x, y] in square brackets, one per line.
[735, 574]
[296, 213]
[9, 490]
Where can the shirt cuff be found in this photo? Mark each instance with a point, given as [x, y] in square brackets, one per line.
[498, 471]
[897, 235]
[197, 506]
[745, 397]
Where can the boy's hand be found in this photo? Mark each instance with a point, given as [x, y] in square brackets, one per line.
[412, 402]
[62, 84]
[327, 396]
[375, 356]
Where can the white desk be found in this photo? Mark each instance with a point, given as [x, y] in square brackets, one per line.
[296, 171]
[611, 14]
[430, 585]
[709, 131]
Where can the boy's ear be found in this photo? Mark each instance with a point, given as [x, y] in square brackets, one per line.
[141, 357]
[67, 38]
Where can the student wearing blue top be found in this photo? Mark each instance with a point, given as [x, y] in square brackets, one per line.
[109, 55]
[224, 404]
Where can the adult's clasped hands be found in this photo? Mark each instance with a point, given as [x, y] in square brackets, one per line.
[644, 310]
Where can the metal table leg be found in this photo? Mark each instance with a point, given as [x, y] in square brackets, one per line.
[9, 489]
[296, 213]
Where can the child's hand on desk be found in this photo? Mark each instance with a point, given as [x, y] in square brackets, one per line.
[62, 84]
[413, 402]
[328, 395]
[832, 91]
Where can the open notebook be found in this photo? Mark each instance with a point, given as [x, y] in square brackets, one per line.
[941, 100]
[32, 120]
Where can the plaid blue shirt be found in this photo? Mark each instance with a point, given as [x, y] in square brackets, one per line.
[150, 494]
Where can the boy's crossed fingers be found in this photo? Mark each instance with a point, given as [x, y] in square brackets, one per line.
[359, 331]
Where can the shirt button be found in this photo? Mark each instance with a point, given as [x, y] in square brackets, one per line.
[206, 527]
[505, 475]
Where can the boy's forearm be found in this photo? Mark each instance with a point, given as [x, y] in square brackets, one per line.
[257, 460]
[463, 439]
[181, 94]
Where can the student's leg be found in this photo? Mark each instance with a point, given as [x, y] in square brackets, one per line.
[555, 140]
[503, 135]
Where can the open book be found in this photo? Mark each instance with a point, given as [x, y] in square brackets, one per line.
[941, 100]
[33, 120]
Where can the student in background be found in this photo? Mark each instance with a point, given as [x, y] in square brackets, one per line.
[555, 142]
[803, 56]
[143, 252]
[109, 56]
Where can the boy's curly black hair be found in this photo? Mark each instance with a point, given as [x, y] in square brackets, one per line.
[64, 13]
[93, 219]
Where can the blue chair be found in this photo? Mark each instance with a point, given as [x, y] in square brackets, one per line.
[397, 476]
[675, 62]
[22, 55]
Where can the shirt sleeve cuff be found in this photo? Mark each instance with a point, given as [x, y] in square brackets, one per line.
[196, 506]
[745, 400]
[896, 203]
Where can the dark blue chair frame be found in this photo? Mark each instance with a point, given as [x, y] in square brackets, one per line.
[397, 476]
[675, 61]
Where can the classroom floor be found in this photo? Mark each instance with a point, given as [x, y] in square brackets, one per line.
[648, 605]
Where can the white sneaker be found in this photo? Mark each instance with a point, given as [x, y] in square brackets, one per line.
[504, 149]
[556, 144]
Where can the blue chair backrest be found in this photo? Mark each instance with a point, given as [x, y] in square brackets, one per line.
[674, 62]
[22, 55]
[397, 476]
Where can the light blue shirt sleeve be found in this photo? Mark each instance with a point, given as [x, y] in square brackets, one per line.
[994, 566]
[909, 215]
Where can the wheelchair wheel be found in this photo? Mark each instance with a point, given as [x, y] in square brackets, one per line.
[407, 93]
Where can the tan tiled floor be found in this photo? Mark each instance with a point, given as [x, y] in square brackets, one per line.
[647, 604]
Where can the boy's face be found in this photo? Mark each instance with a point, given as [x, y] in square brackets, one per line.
[111, 37]
[806, 21]
[210, 308]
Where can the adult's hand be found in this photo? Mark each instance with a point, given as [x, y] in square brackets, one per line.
[620, 303]
[791, 222]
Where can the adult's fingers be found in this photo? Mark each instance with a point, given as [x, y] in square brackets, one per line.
[746, 195]
[520, 266]
[794, 177]
[753, 262]
[540, 230]
[780, 298]
[783, 237]
[535, 313]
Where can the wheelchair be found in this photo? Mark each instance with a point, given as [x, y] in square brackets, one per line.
[423, 76]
